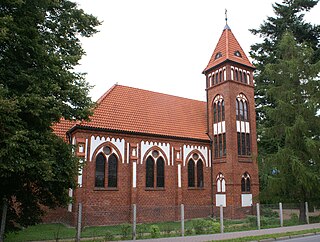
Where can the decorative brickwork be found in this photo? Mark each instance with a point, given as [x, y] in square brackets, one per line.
[136, 124]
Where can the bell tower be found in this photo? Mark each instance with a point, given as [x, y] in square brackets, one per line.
[232, 125]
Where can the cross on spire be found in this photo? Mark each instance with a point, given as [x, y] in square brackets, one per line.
[226, 16]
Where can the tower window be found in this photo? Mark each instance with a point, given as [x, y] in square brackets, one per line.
[219, 140]
[191, 175]
[218, 55]
[237, 53]
[221, 183]
[242, 117]
[245, 183]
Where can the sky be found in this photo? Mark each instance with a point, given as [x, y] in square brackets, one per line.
[163, 46]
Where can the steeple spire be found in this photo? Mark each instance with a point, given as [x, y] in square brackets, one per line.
[226, 18]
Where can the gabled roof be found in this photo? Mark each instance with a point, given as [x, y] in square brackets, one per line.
[228, 46]
[135, 110]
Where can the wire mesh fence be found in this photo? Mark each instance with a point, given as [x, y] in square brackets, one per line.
[112, 222]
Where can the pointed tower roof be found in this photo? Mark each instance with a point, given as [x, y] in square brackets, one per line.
[228, 48]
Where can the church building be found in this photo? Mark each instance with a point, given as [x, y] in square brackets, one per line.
[159, 151]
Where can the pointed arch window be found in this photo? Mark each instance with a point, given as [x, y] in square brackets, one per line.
[150, 172]
[219, 139]
[106, 168]
[195, 172]
[243, 125]
[221, 183]
[160, 172]
[100, 170]
[245, 183]
[112, 171]
[155, 170]
[191, 173]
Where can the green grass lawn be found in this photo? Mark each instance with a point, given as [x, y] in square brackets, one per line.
[55, 231]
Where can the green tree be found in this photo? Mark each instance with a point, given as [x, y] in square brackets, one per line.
[39, 47]
[289, 16]
[293, 161]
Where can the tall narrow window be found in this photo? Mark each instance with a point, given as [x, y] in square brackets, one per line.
[160, 172]
[243, 125]
[219, 127]
[199, 173]
[240, 74]
[191, 175]
[245, 183]
[237, 76]
[244, 77]
[112, 171]
[217, 77]
[100, 170]
[220, 75]
[150, 172]
[221, 183]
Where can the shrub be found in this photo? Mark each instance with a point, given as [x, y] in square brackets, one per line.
[108, 236]
[141, 230]
[202, 226]
[268, 212]
[155, 231]
[125, 230]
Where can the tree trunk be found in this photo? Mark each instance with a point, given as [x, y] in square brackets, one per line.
[3, 219]
[302, 214]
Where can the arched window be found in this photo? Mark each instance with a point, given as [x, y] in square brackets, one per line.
[243, 125]
[219, 139]
[155, 170]
[217, 77]
[112, 171]
[199, 173]
[212, 79]
[245, 183]
[100, 170]
[150, 172]
[160, 172]
[220, 76]
[244, 77]
[106, 159]
[191, 175]
[240, 74]
[221, 183]
[237, 76]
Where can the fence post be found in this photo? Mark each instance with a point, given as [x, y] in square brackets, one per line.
[182, 219]
[3, 219]
[281, 214]
[258, 215]
[134, 222]
[221, 219]
[307, 213]
[79, 222]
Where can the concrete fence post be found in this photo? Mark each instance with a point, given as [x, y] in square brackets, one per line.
[307, 213]
[281, 214]
[258, 216]
[3, 219]
[221, 219]
[134, 221]
[182, 219]
[79, 222]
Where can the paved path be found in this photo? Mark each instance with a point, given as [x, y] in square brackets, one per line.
[232, 235]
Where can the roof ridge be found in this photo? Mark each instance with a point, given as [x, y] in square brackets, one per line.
[106, 93]
[166, 94]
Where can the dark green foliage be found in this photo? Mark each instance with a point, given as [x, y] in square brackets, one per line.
[292, 169]
[109, 236]
[287, 98]
[203, 226]
[39, 47]
[155, 231]
[125, 230]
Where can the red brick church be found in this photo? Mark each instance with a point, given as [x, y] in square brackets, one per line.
[159, 151]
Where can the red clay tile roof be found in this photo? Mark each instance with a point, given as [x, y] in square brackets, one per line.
[130, 109]
[228, 45]
[62, 127]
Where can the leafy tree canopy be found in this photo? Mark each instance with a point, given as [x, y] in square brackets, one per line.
[39, 47]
